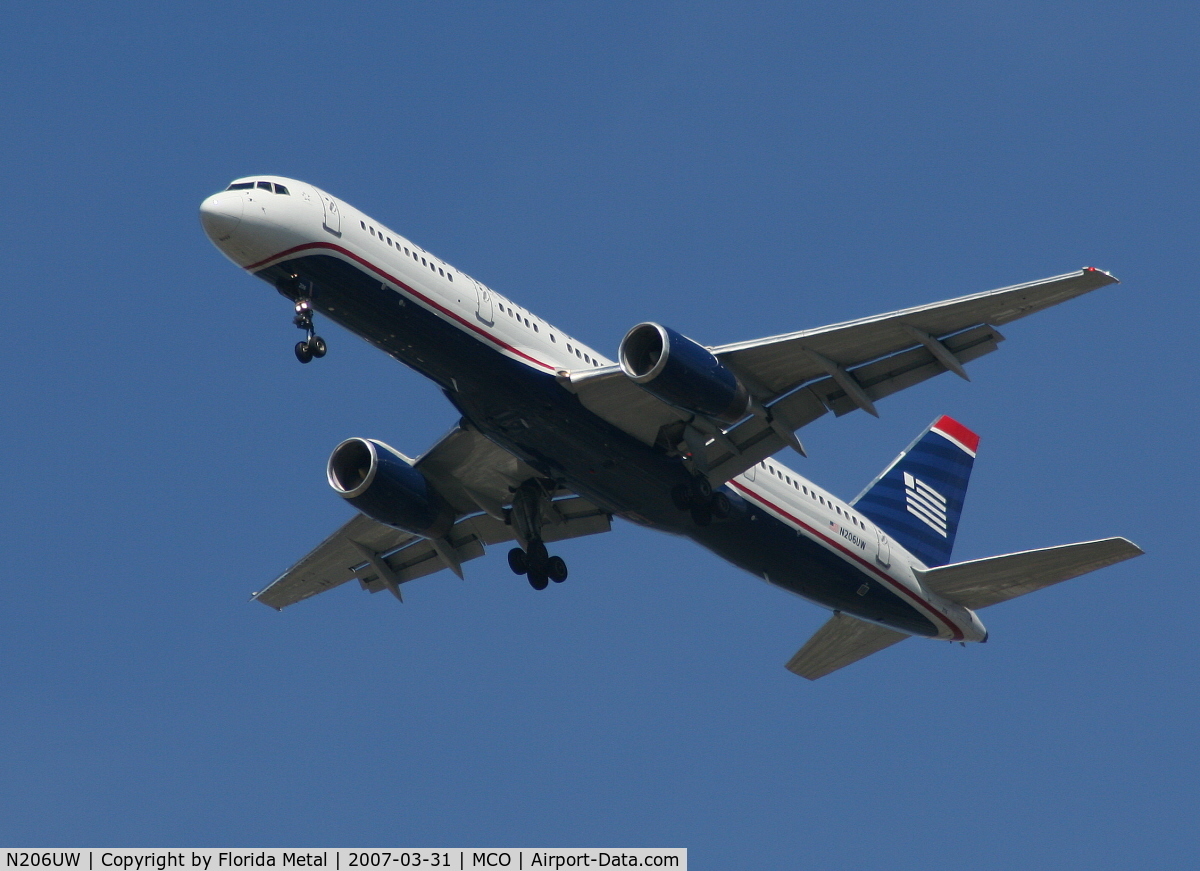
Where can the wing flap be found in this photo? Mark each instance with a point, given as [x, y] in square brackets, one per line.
[900, 371]
[332, 562]
[843, 640]
[983, 582]
[754, 439]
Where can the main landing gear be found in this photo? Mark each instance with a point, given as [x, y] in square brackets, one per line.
[313, 345]
[530, 502]
[537, 565]
[698, 498]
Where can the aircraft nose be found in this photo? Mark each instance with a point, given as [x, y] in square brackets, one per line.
[220, 215]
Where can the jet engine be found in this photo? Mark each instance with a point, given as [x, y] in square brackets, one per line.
[682, 372]
[382, 483]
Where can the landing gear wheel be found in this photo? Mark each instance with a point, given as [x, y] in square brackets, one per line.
[518, 561]
[720, 506]
[537, 553]
[701, 490]
[556, 569]
[681, 495]
[313, 345]
[538, 579]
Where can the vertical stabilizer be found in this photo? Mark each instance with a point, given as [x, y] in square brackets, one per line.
[918, 499]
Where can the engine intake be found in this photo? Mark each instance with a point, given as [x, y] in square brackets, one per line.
[682, 372]
[382, 483]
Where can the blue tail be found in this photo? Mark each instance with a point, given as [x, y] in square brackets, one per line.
[918, 499]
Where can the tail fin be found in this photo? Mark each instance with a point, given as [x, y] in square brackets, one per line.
[918, 499]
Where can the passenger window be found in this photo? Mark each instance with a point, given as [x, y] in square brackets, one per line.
[450, 275]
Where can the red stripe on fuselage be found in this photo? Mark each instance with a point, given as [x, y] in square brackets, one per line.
[887, 579]
[308, 246]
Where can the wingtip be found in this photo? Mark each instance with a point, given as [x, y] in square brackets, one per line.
[1112, 279]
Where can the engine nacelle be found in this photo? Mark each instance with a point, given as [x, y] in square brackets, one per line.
[682, 372]
[382, 484]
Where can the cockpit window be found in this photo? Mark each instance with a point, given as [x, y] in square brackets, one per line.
[262, 185]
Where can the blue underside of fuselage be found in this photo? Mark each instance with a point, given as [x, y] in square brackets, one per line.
[528, 413]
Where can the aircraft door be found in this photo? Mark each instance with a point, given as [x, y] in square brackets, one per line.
[884, 555]
[333, 216]
[483, 298]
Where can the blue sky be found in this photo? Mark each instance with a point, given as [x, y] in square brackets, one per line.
[730, 171]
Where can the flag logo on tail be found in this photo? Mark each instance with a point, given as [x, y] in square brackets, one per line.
[918, 499]
[927, 504]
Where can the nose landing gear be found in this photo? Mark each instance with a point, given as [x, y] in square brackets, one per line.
[313, 345]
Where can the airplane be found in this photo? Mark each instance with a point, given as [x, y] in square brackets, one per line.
[554, 439]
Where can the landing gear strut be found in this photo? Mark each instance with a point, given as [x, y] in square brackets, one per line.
[698, 498]
[530, 502]
[313, 345]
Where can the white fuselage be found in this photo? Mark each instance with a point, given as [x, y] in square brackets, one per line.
[258, 228]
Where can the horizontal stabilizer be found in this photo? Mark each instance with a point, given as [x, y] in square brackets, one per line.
[979, 583]
[841, 641]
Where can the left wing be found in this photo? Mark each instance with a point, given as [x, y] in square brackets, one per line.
[797, 377]
[474, 475]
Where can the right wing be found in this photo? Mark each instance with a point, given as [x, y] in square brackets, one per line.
[841, 641]
[474, 475]
[383, 558]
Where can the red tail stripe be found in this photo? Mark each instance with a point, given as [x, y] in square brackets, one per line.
[951, 427]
